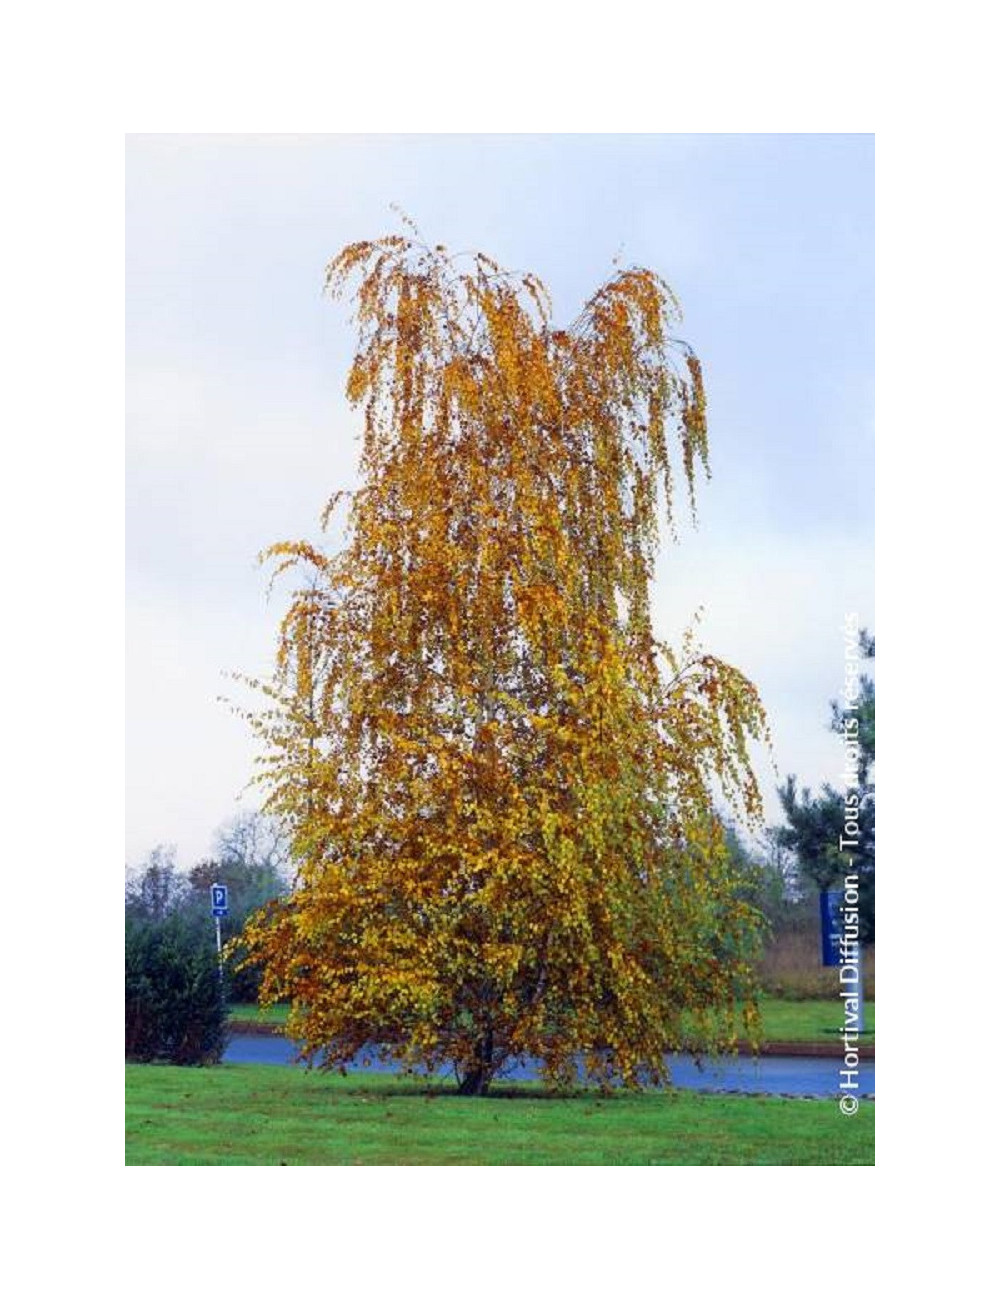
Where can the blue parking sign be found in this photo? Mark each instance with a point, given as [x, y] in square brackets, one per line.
[220, 900]
[831, 924]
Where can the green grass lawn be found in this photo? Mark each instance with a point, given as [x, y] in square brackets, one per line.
[266, 1115]
[258, 1015]
[812, 1021]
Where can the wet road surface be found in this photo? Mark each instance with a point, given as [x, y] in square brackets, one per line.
[790, 1076]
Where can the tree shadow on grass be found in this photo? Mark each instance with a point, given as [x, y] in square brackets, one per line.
[528, 1091]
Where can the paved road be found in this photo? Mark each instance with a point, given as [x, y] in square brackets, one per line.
[793, 1076]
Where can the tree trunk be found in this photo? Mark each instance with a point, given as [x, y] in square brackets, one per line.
[474, 1084]
[478, 1079]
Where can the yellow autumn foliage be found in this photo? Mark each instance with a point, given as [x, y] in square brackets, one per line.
[498, 784]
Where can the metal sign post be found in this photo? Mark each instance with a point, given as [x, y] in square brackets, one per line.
[220, 908]
[831, 924]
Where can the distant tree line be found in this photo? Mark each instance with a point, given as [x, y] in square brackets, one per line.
[785, 870]
[816, 823]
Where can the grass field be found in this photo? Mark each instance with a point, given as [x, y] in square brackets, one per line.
[265, 1115]
[809, 1021]
[258, 1015]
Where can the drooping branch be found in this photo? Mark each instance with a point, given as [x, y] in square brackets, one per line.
[501, 810]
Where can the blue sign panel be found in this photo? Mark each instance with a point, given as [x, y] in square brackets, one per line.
[220, 900]
[831, 923]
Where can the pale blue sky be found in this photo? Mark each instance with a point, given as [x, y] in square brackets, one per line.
[237, 429]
